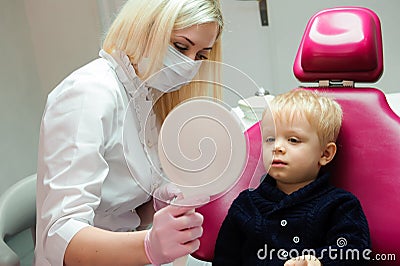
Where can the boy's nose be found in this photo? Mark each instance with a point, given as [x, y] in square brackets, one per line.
[279, 148]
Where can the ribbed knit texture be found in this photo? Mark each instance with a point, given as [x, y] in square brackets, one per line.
[319, 216]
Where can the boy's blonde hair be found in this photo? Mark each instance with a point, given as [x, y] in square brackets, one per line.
[323, 113]
[143, 29]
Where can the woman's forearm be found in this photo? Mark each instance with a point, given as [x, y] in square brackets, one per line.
[94, 246]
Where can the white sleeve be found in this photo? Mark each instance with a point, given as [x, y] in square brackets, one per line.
[80, 117]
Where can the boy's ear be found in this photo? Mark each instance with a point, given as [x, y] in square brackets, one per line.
[328, 153]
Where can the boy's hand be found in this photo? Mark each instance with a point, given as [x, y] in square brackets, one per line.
[307, 260]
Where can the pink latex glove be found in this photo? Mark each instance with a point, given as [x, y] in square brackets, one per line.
[174, 233]
[163, 195]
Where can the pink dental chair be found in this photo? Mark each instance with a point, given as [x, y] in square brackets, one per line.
[340, 47]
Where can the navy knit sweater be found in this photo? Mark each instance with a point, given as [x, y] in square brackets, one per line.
[268, 227]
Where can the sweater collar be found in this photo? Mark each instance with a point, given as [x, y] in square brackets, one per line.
[269, 190]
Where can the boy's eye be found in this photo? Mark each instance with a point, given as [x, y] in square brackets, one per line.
[294, 140]
[270, 139]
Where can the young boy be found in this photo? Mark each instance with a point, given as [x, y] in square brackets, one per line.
[295, 211]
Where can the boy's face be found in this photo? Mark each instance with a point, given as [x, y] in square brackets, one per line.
[292, 153]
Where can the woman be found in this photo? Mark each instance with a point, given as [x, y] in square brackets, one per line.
[89, 206]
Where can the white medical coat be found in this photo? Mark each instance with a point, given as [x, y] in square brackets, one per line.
[83, 175]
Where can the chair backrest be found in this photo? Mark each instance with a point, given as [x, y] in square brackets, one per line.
[342, 46]
[345, 44]
[17, 213]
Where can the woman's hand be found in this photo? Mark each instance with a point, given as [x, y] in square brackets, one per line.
[174, 234]
[307, 260]
[163, 195]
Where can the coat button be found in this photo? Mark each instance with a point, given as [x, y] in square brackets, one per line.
[283, 223]
[296, 239]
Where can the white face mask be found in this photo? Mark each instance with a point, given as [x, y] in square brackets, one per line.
[178, 70]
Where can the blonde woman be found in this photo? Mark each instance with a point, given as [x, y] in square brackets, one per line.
[90, 206]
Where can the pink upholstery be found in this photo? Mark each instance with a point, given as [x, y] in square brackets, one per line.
[368, 162]
[342, 44]
[348, 46]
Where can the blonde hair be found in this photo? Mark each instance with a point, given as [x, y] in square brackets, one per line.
[323, 113]
[143, 28]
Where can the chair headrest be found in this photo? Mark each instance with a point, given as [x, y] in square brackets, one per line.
[342, 43]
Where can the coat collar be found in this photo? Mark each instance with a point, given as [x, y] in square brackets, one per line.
[269, 191]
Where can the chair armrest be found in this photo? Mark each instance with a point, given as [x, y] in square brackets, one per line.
[17, 213]
[7, 255]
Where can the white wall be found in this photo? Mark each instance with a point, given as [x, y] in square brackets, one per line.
[64, 34]
[21, 100]
[246, 46]
[107, 11]
[42, 41]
